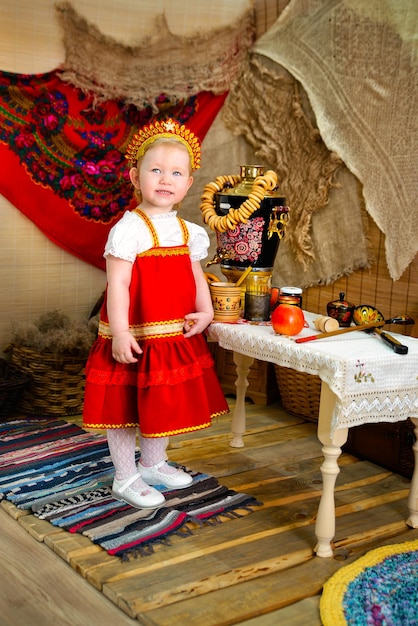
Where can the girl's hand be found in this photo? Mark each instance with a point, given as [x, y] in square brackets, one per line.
[195, 323]
[124, 347]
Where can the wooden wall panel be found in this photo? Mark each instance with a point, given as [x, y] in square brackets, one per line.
[373, 286]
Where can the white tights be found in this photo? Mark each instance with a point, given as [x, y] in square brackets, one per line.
[122, 443]
[153, 451]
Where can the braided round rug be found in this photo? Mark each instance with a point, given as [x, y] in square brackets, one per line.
[379, 589]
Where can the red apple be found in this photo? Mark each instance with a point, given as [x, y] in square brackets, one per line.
[287, 319]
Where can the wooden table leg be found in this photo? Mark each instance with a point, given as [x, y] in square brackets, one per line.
[243, 364]
[325, 522]
[413, 492]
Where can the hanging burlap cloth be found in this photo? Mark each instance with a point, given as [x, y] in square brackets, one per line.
[327, 234]
[358, 62]
[161, 63]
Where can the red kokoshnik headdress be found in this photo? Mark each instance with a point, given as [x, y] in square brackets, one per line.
[168, 128]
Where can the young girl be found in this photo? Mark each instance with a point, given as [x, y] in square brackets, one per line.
[150, 367]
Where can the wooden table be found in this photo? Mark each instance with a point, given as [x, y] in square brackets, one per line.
[362, 381]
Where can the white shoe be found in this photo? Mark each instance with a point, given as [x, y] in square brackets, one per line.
[153, 476]
[148, 499]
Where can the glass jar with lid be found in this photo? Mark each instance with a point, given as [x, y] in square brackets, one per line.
[290, 295]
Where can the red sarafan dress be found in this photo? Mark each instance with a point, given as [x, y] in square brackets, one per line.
[173, 388]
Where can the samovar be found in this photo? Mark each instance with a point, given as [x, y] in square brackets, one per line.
[249, 216]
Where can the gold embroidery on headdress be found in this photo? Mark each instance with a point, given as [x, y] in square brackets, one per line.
[169, 128]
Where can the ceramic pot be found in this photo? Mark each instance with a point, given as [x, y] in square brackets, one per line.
[226, 301]
[341, 310]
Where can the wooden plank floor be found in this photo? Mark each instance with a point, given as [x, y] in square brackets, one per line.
[256, 570]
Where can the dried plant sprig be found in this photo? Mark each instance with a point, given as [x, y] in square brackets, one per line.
[55, 333]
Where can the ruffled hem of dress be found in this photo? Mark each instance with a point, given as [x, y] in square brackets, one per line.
[174, 376]
[189, 359]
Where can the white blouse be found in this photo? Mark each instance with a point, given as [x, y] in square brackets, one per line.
[131, 236]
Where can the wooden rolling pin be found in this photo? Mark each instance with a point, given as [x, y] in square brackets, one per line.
[341, 331]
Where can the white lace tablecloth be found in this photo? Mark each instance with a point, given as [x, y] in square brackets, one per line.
[371, 382]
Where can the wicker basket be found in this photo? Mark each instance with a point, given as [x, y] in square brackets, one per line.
[300, 392]
[12, 384]
[57, 383]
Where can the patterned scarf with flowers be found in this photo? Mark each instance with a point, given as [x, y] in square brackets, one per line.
[62, 155]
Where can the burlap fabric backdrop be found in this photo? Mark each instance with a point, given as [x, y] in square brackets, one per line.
[162, 63]
[358, 62]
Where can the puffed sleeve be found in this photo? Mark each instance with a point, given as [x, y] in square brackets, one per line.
[126, 238]
[198, 243]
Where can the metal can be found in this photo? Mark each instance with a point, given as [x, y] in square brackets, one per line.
[290, 295]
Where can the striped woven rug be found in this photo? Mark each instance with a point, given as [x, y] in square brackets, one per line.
[63, 474]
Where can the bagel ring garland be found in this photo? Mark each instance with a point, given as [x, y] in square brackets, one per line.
[222, 223]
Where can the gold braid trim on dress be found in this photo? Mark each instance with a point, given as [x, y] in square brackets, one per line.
[169, 328]
[222, 223]
[163, 252]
